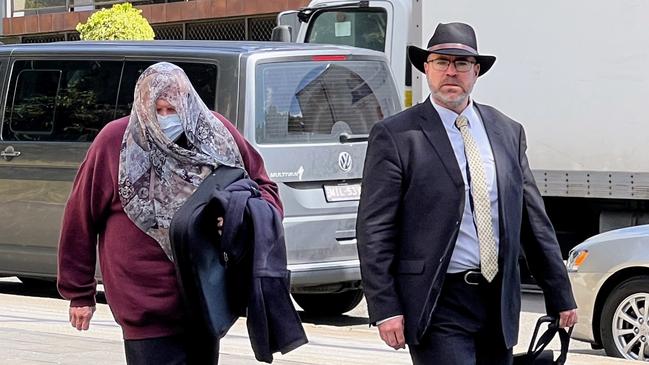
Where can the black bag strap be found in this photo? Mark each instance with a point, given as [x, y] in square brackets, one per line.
[537, 347]
[564, 336]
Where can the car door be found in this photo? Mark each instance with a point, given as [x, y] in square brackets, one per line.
[54, 110]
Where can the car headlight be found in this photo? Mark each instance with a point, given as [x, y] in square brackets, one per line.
[575, 259]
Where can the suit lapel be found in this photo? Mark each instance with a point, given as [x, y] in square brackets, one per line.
[431, 125]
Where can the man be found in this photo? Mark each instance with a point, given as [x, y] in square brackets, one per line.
[447, 191]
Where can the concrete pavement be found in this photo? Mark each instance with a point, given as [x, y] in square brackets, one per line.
[35, 330]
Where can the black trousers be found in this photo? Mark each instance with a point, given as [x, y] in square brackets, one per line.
[173, 350]
[466, 327]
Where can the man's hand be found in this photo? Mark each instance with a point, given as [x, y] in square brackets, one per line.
[391, 332]
[80, 317]
[568, 318]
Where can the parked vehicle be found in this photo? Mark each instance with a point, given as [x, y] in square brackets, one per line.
[306, 108]
[610, 279]
[570, 72]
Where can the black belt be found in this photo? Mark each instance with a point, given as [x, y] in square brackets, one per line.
[469, 277]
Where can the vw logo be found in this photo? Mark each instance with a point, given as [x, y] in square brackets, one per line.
[345, 161]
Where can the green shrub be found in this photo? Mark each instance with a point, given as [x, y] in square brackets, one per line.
[121, 22]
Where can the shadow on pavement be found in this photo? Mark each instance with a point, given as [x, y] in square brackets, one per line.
[36, 288]
[588, 352]
[336, 320]
[47, 289]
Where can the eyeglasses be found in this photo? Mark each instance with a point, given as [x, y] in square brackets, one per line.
[442, 64]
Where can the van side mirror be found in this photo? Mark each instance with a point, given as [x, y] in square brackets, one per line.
[281, 33]
[290, 18]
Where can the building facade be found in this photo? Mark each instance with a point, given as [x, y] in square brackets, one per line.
[31, 21]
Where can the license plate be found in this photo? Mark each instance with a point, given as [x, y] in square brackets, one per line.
[341, 193]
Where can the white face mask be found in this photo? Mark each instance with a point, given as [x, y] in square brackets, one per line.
[170, 125]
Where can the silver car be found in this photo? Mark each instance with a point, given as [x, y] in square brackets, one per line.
[610, 280]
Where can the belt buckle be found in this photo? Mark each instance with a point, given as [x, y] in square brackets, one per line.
[468, 274]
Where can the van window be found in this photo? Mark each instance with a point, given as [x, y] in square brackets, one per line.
[364, 28]
[34, 100]
[55, 100]
[60, 100]
[201, 75]
[299, 102]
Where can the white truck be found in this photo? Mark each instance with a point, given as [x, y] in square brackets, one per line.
[572, 72]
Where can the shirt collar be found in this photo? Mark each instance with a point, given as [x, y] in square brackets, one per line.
[448, 116]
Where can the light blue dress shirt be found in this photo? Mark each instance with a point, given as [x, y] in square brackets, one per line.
[466, 255]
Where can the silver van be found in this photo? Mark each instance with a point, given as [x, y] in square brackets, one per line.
[306, 108]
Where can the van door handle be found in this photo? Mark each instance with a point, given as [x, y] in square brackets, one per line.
[9, 153]
[346, 241]
[345, 234]
[346, 237]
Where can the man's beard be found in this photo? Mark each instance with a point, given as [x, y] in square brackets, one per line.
[454, 101]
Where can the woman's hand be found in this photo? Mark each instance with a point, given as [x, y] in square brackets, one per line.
[80, 317]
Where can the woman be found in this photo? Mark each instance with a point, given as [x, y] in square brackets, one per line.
[139, 170]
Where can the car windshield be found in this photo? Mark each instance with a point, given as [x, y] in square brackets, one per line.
[298, 102]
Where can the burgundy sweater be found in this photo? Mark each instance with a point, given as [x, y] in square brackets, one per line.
[139, 280]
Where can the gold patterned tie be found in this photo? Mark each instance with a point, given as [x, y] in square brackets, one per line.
[481, 204]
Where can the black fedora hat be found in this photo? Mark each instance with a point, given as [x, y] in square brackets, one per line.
[453, 39]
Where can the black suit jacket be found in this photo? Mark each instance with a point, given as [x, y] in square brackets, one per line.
[410, 212]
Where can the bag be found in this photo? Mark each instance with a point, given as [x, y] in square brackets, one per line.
[195, 243]
[536, 353]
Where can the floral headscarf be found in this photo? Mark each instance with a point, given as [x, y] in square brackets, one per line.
[156, 176]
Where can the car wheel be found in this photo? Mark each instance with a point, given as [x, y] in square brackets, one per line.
[623, 326]
[329, 303]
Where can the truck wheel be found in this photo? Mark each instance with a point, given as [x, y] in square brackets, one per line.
[623, 326]
[329, 303]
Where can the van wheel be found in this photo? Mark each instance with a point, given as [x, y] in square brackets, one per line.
[623, 326]
[329, 303]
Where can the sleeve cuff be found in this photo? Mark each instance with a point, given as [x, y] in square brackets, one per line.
[387, 319]
[83, 302]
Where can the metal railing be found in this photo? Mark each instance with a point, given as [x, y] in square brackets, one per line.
[258, 28]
